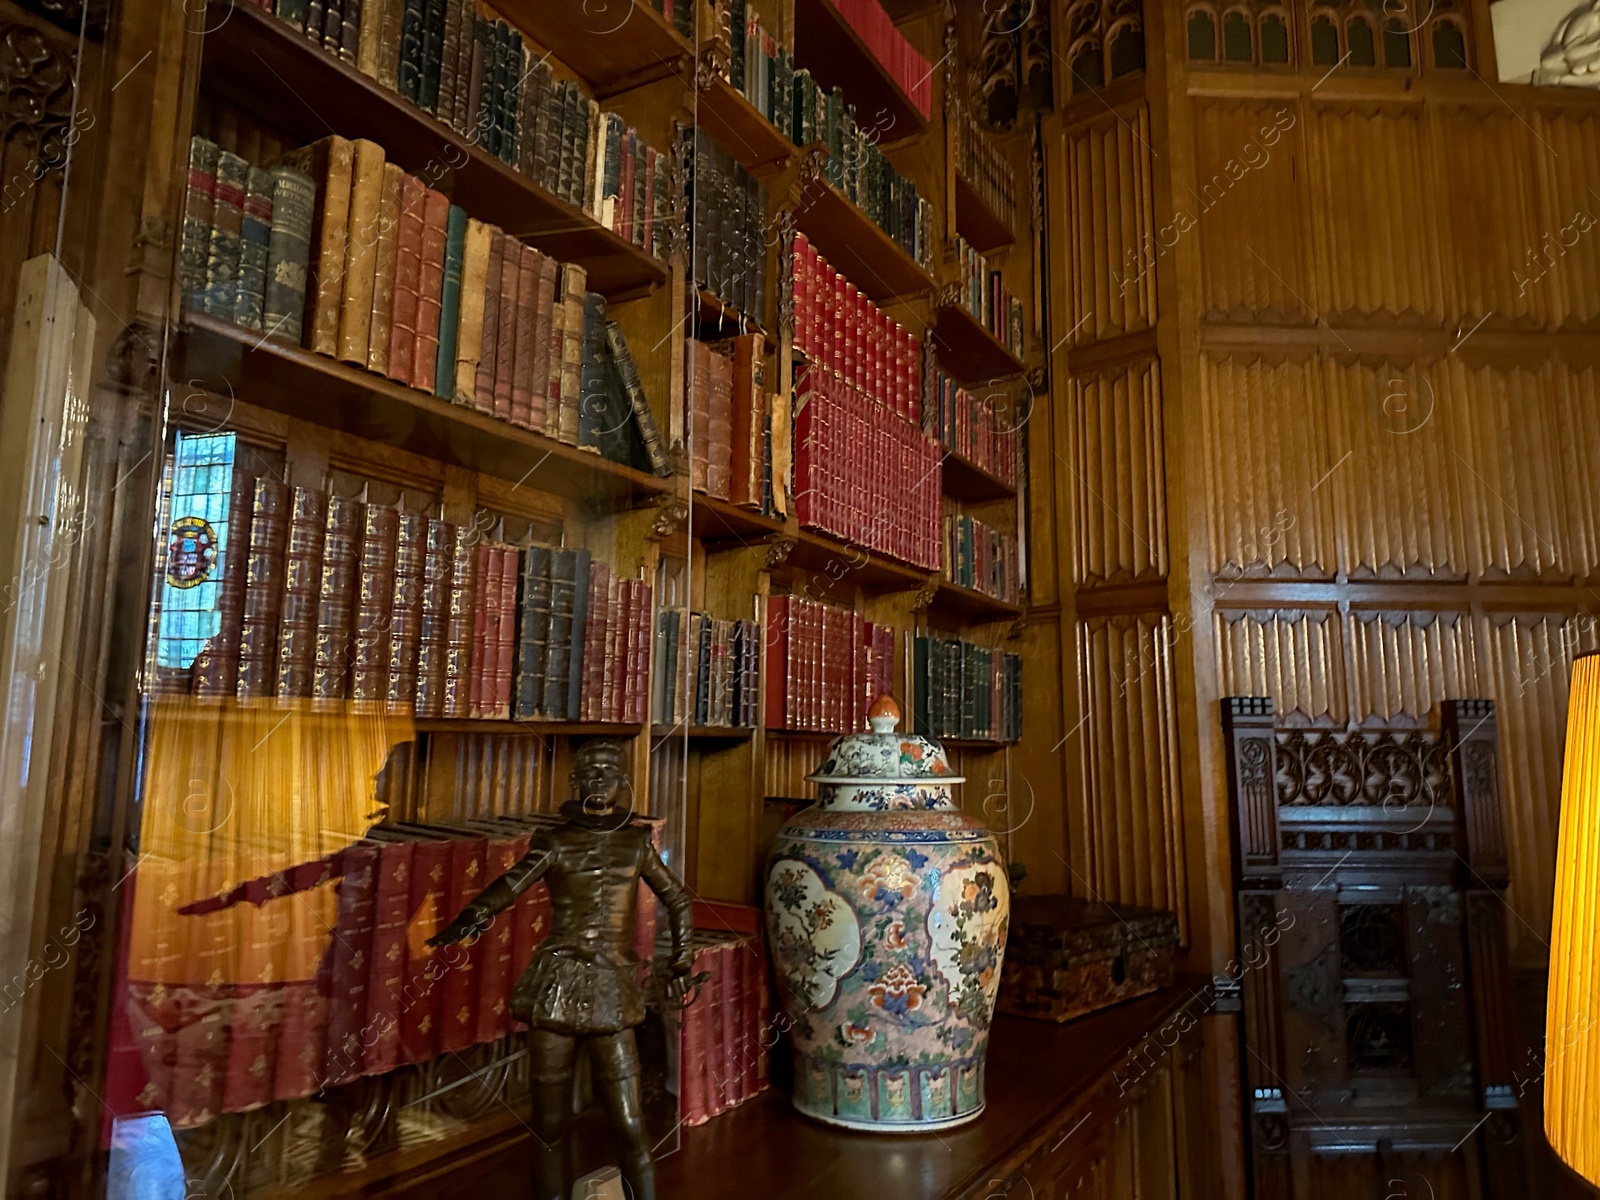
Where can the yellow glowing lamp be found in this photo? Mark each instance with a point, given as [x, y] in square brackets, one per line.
[1572, 1022]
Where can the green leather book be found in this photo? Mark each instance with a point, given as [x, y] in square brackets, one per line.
[450, 301]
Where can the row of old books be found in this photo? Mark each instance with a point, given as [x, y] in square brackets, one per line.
[279, 1008]
[459, 61]
[708, 670]
[841, 331]
[730, 421]
[722, 1037]
[987, 172]
[729, 256]
[404, 284]
[858, 168]
[825, 666]
[982, 558]
[269, 590]
[904, 63]
[759, 66]
[963, 690]
[969, 426]
[986, 297]
[862, 474]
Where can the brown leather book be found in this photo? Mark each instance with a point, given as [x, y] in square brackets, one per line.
[505, 342]
[405, 610]
[458, 636]
[430, 289]
[391, 15]
[700, 413]
[433, 636]
[749, 419]
[525, 329]
[485, 626]
[361, 252]
[575, 281]
[329, 163]
[407, 276]
[469, 329]
[263, 590]
[370, 36]
[488, 354]
[302, 578]
[384, 271]
[555, 345]
[506, 634]
[369, 667]
[336, 598]
[547, 272]
[216, 667]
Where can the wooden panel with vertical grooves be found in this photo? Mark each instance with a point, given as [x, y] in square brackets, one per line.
[1132, 812]
[1291, 655]
[1116, 459]
[1565, 259]
[1398, 495]
[1249, 208]
[1110, 250]
[1402, 665]
[1267, 466]
[1579, 471]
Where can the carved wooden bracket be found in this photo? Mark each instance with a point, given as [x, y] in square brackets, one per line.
[712, 64]
[948, 296]
[669, 521]
[778, 550]
[35, 89]
[923, 600]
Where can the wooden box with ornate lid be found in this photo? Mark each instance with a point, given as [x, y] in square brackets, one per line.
[1067, 956]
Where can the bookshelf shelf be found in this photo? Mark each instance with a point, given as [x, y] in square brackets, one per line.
[983, 228]
[614, 47]
[260, 63]
[866, 255]
[294, 382]
[969, 351]
[704, 733]
[714, 318]
[462, 725]
[952, 597]
[717, 521]
[960, 743]
[834, 559]
[739, 128]
[829, 46]
[966, 480]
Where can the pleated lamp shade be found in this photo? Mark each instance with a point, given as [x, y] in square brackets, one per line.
[1572, 1022]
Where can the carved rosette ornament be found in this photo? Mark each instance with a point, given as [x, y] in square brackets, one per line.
[35, 87]
[923, 600]
[669, 521]
[711, 65]
[948, 296]
[812, 163]
[778, 550]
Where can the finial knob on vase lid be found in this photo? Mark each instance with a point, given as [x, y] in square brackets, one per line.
[884, 715]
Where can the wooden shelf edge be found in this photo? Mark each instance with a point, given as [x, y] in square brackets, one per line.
[963, 479]
[709, 733]
[739, 127]
[530, 727]
[984, 229]
[968, 351]
[952, 597]
[856, 247]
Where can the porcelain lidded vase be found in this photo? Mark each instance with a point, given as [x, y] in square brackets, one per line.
[886, 916]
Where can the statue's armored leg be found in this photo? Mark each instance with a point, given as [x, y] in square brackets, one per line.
[551, 1056]
[616, 1069]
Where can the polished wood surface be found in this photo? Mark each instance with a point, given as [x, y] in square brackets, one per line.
[967, 350]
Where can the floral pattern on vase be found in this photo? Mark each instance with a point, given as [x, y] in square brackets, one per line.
[890, 1033]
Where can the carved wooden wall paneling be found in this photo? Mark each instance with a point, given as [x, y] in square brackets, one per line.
[1131, 821]
[1516, 506]
[1294, 656]
[1578, 470]
[1114, 463]
[788, 762]
[1491, 215]
[1398, 496]
[1405, 664]
[1267, 460]
[1109, 236]
[1249, 206]
[1377, 215]
[1565, 258]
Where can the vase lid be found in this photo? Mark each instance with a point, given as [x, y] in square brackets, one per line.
[884, 755]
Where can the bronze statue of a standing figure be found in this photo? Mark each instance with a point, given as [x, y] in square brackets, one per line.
[582, 988]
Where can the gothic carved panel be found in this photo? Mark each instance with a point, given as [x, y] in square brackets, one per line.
[1378, 769]
[1112, 246]
[1293, 656]
[1402, 665]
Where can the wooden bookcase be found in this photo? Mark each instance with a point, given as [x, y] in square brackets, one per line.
[262, 86]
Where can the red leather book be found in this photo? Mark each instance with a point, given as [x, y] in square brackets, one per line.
[643, 620]
[458, 986]
[616, 650]
[407, 280]
[546, 272]
[483, 387]
[694, 1100]
[556, 348]
[430, 290]
[491, 1011]
[351, 952]
[336, 598]
[775, 708]
[216, 667]
[369, 668]
[303, 1036]
[622, 216]
[505, 342]
[421, 990]
[505, 633]
[647, 237]
[750, 1032]
[433, 637]
[727, 1056]
[386, 976]
[302, 579]
[485, 618]
[405, 610]
[594, 642]
[459, 632]
[526, 331]
[700, 414]
[263, 589]
[257, 1016]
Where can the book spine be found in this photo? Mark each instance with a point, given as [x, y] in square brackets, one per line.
[458, 986]
[255, 234]
[216, 667]
[485, 614]
[420, 1007]
[491, 1014]
[505, 634]
[390, 24]
[351, 953]
[368, 37]
[263, 590]
[444, 376]
[369, 668]
[430, 289]
[336, 599]
[387, 971]
[506, 334]
[574, 285]
[434, 28]
[405, 611]
[302, 578]
[198, 206]
[381, 331]
[524, 335]
[533, 630]
[457, 697]
[294, 196]
[558, 644]
[694, 1103]
[411, 49]
[477, 246]
[574, 677]
[488, 356]
[350, 34]
[333, 160]
[433, 640]
[227, 221]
